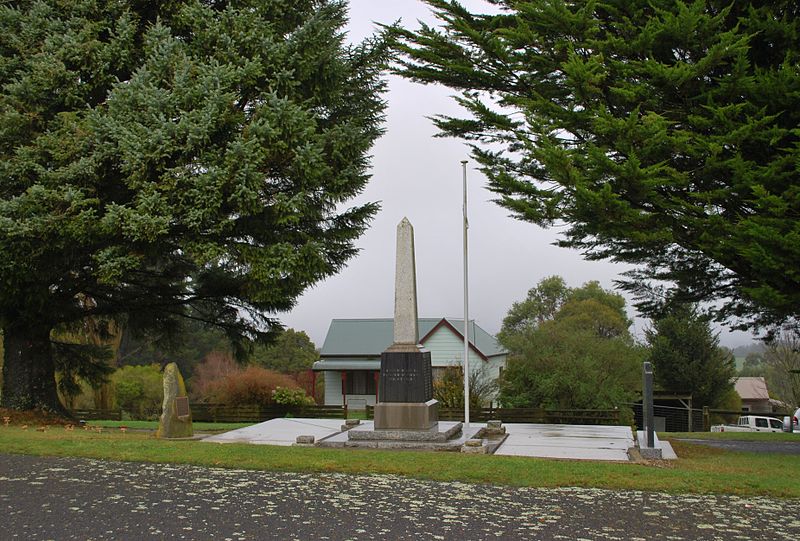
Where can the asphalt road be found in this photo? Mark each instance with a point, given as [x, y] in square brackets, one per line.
[781, 447]
[67, 498]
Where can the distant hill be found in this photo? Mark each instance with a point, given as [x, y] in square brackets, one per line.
[752, 347]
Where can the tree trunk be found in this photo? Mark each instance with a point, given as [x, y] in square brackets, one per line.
[28, 370]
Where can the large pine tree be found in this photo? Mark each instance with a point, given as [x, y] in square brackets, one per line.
[174, 159]
[663, 133]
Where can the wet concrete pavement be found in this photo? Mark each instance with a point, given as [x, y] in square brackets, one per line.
[68, 498]
[577, 442]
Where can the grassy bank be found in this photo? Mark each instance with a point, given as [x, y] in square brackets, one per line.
[700, 470]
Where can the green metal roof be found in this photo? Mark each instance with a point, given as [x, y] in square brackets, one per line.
[347, 364]
[370, 337]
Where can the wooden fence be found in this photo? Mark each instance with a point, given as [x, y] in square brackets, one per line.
[528, 415]
[97, 415]
[221, 413]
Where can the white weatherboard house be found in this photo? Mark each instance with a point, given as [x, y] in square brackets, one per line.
[351, 355]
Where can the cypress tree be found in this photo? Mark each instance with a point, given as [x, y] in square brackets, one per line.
[164, 160]
[664, 134]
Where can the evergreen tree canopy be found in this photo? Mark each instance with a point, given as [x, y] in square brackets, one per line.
[687, 358]
[169, 159]
[664, 134]
[292, 352]
[569, 348]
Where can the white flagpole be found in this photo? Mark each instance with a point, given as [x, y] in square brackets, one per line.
[466, 304]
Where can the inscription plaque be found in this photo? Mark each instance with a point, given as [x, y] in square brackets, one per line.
[182, 406]
[406, 377]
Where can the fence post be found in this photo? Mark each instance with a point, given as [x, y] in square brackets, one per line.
[706, 419]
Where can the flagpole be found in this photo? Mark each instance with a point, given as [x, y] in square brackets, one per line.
[466, 304]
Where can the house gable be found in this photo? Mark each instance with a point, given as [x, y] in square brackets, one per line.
[443, 334]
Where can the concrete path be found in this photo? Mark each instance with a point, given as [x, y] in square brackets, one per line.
[584, 442]
[280, 431]
[67, 498]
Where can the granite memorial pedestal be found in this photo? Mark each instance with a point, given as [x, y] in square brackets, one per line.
[406, 391]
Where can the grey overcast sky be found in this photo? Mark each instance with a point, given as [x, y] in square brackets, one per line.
[420, 177]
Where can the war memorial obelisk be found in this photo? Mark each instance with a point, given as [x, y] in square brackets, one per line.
[405, 392]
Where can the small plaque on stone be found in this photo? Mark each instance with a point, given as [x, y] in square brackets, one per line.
[182, 407]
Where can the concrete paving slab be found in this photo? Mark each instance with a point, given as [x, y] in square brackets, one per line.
[583, 431]
[572, 453]
[580, 442]
[667, 452]
[569, 442]
[282, 431]
[577, 442]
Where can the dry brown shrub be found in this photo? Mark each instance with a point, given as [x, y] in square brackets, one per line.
[251, 386]
[210, 373]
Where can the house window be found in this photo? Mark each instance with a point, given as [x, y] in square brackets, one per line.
[360, 382]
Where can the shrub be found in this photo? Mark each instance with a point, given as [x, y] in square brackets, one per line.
[252, 386]
[291, 397]
[306, 381]
[139, 390]
[449, 388]
[208, 375]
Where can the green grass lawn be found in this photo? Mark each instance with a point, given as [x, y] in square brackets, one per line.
[739, 436]
[153, 425]
[700, 469]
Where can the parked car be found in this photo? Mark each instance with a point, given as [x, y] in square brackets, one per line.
[752, 423]
[790, 422]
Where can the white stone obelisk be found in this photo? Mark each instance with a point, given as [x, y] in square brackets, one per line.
[406, 379]
[406, 333]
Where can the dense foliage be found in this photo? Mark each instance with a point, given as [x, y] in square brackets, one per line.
[569, 348]
[291, 352]
[448, 387]
[186, 344]
[291, 397]
[176, 159]
[687, 358]
[250, 386]
[664, 134]
[138, 390]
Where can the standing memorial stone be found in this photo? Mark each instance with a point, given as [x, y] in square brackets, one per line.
[176, 419]
[406, 381]
[647, 447]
